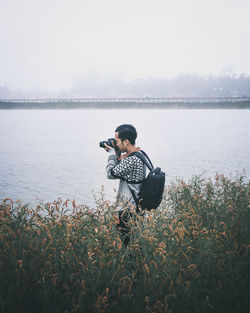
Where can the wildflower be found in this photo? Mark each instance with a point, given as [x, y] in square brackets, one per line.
[192, 267]
[162, 245]
[49, 235]
[171, 229]
[146, 268]
[155, 264]
[90, 254]
[119, 245]
[11, 201]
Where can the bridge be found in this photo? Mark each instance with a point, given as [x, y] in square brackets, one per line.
[134, 100]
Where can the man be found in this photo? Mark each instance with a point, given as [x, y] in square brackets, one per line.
[131, 171]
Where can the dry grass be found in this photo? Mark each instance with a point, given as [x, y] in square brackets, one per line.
[190, 255]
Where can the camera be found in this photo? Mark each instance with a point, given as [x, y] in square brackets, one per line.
[108, 142]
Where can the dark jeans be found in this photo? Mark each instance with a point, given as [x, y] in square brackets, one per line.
[124, 226]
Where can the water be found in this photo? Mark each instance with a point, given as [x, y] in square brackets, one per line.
[46, 154]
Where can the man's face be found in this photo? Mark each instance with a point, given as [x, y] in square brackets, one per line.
[121, 145]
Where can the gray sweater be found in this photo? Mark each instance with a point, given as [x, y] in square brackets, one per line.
[131, 171]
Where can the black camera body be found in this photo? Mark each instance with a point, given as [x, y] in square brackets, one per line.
[108, 142]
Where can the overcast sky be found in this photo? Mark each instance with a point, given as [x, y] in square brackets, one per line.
[51, 44]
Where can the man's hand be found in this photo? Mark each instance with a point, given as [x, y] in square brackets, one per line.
[107, 148]
[115, 148]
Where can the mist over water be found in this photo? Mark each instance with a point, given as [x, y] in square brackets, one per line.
[48, 154]
[101, 86]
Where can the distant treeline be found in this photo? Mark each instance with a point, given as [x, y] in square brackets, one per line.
[191, 85]
[125, 105]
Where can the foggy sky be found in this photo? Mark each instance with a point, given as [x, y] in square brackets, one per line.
[57, 44]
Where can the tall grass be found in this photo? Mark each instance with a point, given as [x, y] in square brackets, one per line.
[189, 255]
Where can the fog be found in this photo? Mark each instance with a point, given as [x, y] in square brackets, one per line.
[181, 86]
[98, 48]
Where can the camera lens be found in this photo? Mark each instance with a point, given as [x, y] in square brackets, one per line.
[101, 144]
[110, 142]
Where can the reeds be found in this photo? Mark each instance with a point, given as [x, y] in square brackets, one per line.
[189, 255]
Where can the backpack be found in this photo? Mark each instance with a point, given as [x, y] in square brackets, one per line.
[150, 195]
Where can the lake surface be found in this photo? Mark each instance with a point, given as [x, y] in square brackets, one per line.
[46, 154]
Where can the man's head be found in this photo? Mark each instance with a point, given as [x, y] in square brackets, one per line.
[125, 136]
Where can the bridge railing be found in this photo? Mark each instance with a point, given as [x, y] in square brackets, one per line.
[129, 100]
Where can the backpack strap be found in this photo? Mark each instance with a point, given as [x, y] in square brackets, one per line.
[138, 208]
[134, 197]
[143, 156]
[147, 158]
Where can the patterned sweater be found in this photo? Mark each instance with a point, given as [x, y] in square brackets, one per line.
[131, 171]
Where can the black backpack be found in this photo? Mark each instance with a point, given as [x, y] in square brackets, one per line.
[150, 195]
